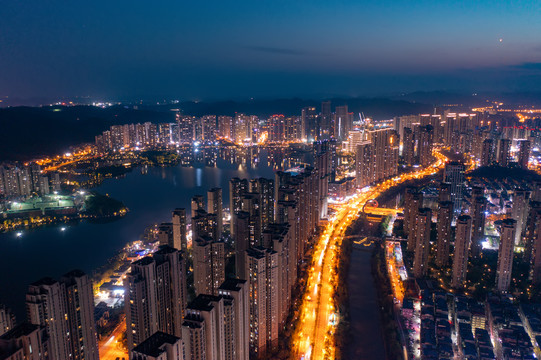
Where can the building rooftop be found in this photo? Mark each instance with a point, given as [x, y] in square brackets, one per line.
[20, 330]
[203, 302]
[153, 346]
[232, 284]
[44, 281]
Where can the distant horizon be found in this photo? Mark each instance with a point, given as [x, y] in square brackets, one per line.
[6, 101]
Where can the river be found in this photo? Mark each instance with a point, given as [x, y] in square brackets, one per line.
[366, 336]
[150, 195]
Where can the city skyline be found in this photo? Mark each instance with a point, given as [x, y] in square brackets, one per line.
[283, 180]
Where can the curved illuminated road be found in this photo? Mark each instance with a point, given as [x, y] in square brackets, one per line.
[313, 337]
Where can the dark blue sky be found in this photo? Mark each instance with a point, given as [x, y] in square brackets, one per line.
[231, 49]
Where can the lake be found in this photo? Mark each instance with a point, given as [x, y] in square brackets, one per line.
[150, 194]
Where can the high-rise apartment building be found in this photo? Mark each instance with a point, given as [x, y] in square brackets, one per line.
[198, 203]
[421, 231]
[533, 242]
[343, 122]
[326, 122]
[160, 346]
[66, 309]
[237, 188]
[424, 147]
[242, 242]
[309, 124]
[25, 341]
[519, 212]
[487, 152]
[203, 329]
[155, 295]
[445, 217]
[408, 147]
[262, 268]
[413, 200]
[7, 319]
[214, 206]
[504, 152]
[263, 189]
[524, 147]
[46, 306]
[478, 209]
[385, 153]
[165, 234]
[462, 246]
[363, 155]
[208, 264]
[454, 174]
[80, 316]
[237, 318]
[179, 222]
[444, 191]
[505, 255]
[205, 225]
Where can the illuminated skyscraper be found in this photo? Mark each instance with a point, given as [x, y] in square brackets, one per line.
[198, 203]
[424, 147]
[445, 216]
[454, 174]
[237, 188]
[309, 124]
[505, 255]
[487, 152]
[66, 309]
[408, 147]
[237, 318]
[521, 200]
[363, 171]
[203, 328]
[524, 153]
[533, 242]
[462, 246]
[208, 264]
[478, 209]
[421, 231]
[46, 306]
[179, 229]
[80, 316]
[215, 207]
[155, 295]
[503, 152]
[413, 200]
[262, 268]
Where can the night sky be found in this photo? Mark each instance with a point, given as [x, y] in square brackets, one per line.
[266, 48]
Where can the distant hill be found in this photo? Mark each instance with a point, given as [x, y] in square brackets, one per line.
[377, 108]
[30, 132]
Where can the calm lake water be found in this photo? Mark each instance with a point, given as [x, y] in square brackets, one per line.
[150, 196]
